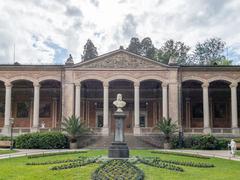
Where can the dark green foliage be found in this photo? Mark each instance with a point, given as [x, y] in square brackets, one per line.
[209, 52]
[181, 154]
[46, 140]
[82, 162]
[167, 127]
[135, 46]
[5, 138]
[205, 142]
[175, 49]
[157, 163]
[118, 170]
[74, 127]
[55, 154]
[90, 51]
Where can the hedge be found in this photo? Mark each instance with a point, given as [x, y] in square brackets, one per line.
[205, 142]
[45, 140]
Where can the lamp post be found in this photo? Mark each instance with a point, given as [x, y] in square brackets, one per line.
[11, 122]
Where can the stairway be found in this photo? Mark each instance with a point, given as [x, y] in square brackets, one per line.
[134, 142]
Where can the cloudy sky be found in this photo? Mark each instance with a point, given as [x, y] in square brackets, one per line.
[46, 31]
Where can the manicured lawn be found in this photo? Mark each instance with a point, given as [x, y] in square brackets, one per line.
[7, 151]
[16, 169]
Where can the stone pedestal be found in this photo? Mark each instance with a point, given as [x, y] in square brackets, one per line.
[118, 148]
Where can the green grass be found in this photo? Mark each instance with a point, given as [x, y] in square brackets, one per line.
[16, 169]
[238, 153]
[7, 151]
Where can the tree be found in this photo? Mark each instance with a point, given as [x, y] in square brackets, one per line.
[134, 46]
[148, 49]
[209, 52]
[173, 48]
[167, 127]
[90, 51]
[74, 127]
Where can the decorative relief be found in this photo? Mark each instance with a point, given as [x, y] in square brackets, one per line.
[121, 60]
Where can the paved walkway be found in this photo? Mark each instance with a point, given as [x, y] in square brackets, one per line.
[213, 153]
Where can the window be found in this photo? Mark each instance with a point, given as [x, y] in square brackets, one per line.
[23, 110]
[197, 110]
[99, 120]
[2, 109]
[45, 109]
[142, 121]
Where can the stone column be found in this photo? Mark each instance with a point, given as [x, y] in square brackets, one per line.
[206, 121]
[105, 129]
[36, 100]
[165, 100]
[136, 129]
[8, 100]
[68, 103]
[235, 129]
[173, 104]
[77, 100]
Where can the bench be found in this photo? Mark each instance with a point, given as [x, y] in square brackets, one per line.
[5, 144]
[238, 145]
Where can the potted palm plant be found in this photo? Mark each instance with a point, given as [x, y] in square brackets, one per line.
[168, 128]
[74, 128]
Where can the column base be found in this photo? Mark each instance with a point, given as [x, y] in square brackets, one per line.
[207, 130]
[105, 131]
[34, 129]
[236, 131]
[136, 131]
[6, 131]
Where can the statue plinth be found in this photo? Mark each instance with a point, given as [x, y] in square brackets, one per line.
[119, 148]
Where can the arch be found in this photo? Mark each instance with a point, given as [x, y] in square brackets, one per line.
[89, 77]
[156, 78]
[23, 78]
[45, 78]
[193, 78]
[122, 77]
[221, 78]
[3, 79]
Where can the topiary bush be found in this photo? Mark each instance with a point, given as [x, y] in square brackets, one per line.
[46, 140]
[205, 142]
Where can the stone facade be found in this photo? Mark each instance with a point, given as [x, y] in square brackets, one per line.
[153, 90]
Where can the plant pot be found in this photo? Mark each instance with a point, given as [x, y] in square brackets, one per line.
[166, 145]
[73, 145]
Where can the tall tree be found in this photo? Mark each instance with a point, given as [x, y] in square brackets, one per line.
[173, 48]
[148, 50]
[135, 46]
[90, 51]
[209, 52]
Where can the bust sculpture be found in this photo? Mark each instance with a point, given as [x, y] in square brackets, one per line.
[119, 103]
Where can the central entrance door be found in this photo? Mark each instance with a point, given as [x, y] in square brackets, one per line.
[126, 88]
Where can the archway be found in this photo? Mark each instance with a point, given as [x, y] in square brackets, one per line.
[150, 103]
[126, 88]
[220, 104]
[192, 104]
[50, 104]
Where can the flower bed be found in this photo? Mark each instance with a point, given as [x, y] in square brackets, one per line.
[118, 169]
[56, 161]
[55, 154]
[181, 154]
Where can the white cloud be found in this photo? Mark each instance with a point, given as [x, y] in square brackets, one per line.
[69, 23]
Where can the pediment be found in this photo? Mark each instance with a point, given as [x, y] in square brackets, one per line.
[121, 60]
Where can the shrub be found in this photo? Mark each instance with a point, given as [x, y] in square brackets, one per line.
[5, 138]
[205, 142]
[46, 140]
[181, 154]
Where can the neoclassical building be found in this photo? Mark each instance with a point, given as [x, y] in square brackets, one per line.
[201, 99]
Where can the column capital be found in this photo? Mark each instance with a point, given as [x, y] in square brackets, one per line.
[164, 85]
[36, 84]
[205, 85]
[106, 84]
[233, 85]
[8, 84]
[78, 84]
[136, 84]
